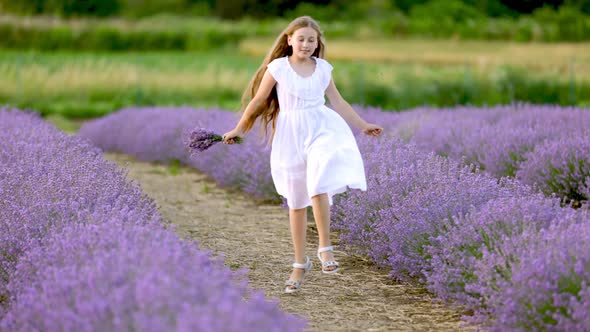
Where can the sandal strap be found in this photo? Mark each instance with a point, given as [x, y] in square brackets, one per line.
[330, 263]
[293, 283]
[302, 266]
[321, 250]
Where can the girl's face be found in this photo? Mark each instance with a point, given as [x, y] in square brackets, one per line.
[304, 41]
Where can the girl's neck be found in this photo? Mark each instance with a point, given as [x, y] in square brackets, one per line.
[296, 59]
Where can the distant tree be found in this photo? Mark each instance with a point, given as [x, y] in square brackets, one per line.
[63, 7]
[406, 5]
[234, 9]
[528, 6]
[23, 7]
[581, 5]
[90, 7]
[492, 8]
[497, 8]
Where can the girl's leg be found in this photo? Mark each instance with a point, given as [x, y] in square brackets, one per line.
[321, 214]
[298, 221]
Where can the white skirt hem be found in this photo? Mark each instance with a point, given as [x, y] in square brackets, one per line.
[330, 191]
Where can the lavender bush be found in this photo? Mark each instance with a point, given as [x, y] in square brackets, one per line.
[456, 253]
[116, 276]
[411, 194]
[49, 179]
[561, 167]
[163, 134]
[499, 139]
[442, 220]
[549, 286]
[84, 249]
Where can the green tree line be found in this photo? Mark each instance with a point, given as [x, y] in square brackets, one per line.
[235, 9]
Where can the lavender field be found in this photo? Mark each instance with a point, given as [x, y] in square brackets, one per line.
[84, 249]
[487, 207]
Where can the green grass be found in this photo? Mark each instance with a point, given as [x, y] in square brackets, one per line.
[174, 167]
[62, 123]
[83, 85]
[559, 59]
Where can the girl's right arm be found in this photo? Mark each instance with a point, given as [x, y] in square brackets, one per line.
[266, 85]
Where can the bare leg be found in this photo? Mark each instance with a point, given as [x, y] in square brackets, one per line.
[321, 214]
[298, 221]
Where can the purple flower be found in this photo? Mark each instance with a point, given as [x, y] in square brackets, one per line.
[560, 166]
[82, 248]
[116, 276]
[410, 194]
[202, 139]
[456, 254]
[438, 206]
[163, 134]
[549, 284]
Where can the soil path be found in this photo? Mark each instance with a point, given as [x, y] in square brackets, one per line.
[257, 237]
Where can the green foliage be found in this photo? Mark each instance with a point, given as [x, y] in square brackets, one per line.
[567, 23]
[566, 182]
[235, 9]
[62, 123]
[89, 7]
[65, 8]
[97, 36]
[174, 167]
[445, 10]
[238, 9]
[319, 12]
[581, 5]
[367, 19]
[493, 8]
[142, 8]
[359, 83]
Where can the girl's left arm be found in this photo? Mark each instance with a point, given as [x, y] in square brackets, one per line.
[346, 111]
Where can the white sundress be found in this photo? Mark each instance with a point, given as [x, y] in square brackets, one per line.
[313, 149]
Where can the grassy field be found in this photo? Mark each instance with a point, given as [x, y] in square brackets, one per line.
[548, 58]
[393, 74]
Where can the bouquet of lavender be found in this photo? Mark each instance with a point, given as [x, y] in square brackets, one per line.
[202, 139]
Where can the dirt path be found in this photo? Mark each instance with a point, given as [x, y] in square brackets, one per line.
[257, 237]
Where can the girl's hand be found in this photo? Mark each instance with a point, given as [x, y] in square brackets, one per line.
[229, 137]
[372, 129]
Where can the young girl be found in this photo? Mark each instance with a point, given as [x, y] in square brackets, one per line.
[314, 153]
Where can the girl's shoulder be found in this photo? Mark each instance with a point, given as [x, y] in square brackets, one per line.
[278, 62]
[324, 63]
[276, 67]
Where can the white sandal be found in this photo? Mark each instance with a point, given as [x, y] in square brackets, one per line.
[328, 263]
[292, 285]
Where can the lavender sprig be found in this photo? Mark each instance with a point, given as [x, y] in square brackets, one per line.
[202, 139]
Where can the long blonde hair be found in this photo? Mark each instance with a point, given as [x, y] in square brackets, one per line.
[268, 110]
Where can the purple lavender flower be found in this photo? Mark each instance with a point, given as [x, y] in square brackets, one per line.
[202, 139]
[83, 249]
[549, 285]
[560, 166]
[410, 194]
[456, 253]
[116, 276]
[163, 134]
[427, 215]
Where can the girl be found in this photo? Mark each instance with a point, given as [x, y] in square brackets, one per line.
[314, 153]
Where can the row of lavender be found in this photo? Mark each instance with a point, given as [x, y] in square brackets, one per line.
[546, 146]
[514, 256]
[82, 248]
